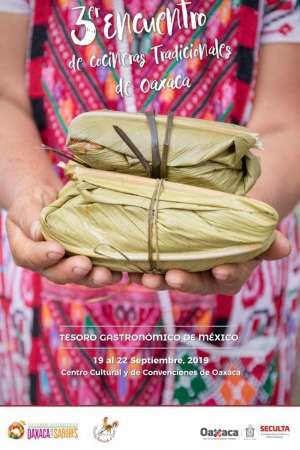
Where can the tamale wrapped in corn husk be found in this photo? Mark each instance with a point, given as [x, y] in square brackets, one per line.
[138, 224]
[202, 153]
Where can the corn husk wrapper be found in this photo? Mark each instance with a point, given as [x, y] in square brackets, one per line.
[105, 216]
[202, 153]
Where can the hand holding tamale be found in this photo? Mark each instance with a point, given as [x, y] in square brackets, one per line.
[134, 223]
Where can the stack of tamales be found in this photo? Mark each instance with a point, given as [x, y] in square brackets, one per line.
[151, 193]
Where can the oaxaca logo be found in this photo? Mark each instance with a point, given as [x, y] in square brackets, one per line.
[16, 430]
[106, 431]
[52, 431]
[219, 433]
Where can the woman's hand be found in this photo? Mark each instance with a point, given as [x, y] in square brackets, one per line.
[29, 250]
[226, 279]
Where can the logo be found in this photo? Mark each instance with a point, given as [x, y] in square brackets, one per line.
[52, 431]
[43, 430]
[106, 431]
[16, 430]
[219, 433]
[274, 431]
[249, 432]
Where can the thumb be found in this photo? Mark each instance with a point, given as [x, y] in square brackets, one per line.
[26, 209]
[280, 248]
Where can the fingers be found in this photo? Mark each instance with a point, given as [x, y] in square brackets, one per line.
[227, 279]
[280, 248]
[29, 254]
[79, 270]
[30, 251]
[26, 212]
[46, 257]
[200, 282]
[231, 277]
[231, 273]
[154, 281]
[100, 277]
[148, 280]
[69, 270]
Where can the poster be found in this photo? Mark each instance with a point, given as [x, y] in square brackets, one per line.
[149, 192]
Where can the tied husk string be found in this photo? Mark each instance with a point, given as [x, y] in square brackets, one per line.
[166, 146]
[158, 167]
[153, 250]
[155, 169]
[63, 155]
[133, 148]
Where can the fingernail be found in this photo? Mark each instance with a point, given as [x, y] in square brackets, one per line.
[80, 270]
[174, 281]
[35, 230]
[98, 280]
[54, 256]
[174, 284]
[221, 274]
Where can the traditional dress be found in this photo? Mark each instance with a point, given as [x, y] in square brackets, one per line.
[260, 367]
